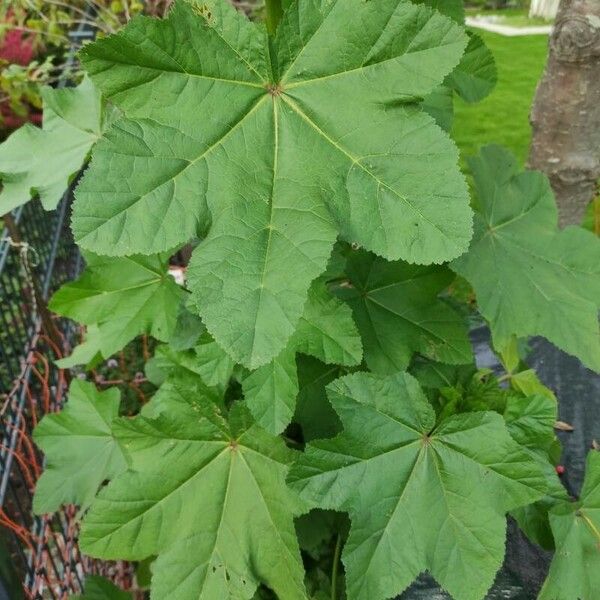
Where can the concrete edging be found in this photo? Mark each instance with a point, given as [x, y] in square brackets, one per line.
[508, 30]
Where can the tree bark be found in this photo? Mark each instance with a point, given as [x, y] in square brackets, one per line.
[566, 111]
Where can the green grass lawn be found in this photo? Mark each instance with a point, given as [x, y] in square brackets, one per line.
[503, 117]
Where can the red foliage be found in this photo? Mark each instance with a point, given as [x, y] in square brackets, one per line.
[17, 48]
[11, 121]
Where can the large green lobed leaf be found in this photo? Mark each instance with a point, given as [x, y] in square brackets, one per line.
[207, 496]
[529, 277]
[398, 311]
[274, 147]
[420, 496]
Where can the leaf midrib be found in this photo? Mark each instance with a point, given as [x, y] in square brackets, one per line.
[362, 66]
[357, 162]
[453, 449]
[266, 506]
[169, 494]
[93, 293]
[458, 525]
[183, 71]
[189, 164]
[189, 480]
[418, 458]
[270, 226]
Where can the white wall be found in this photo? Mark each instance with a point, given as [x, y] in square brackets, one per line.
[544, 8]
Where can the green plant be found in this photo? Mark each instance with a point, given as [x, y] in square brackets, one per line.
[31, 53]
[19, 85]
[50, 21]
[42, 28]
[317, 362]
[97, 588]
[43, 161]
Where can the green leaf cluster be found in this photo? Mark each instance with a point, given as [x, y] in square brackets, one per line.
[118, 300]
[282, 167]
[326, 332]
[42, 162]
[575, 571]
[319, 427]
[206, 493]
[449, 485]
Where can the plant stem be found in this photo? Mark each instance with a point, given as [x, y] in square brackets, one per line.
[336, 564]
[39, 302]
[293, 442]
[274, 12]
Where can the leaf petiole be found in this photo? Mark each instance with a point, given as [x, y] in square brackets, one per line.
[335, 567]
[274, 12]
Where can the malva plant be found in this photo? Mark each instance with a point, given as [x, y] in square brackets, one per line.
[320, 430]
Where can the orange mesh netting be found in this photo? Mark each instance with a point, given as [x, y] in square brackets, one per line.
[44, 550]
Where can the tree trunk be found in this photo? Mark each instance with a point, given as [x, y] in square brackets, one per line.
[566, 111]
